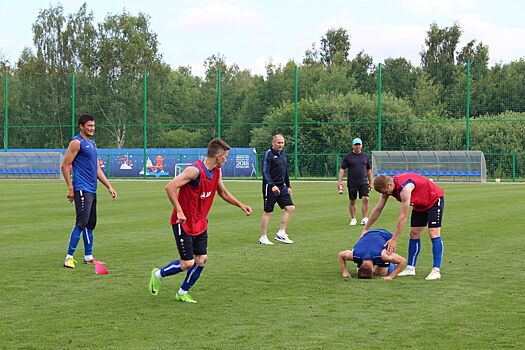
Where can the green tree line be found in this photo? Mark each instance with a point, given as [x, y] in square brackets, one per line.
[423, 107]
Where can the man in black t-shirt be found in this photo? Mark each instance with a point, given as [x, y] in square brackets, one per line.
[359, 179]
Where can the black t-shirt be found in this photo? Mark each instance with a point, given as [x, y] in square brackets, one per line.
[357, 165]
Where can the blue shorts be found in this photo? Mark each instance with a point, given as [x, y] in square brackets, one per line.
[270, 198]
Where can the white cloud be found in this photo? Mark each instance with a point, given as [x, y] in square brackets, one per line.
[443, 7]
[259, 65]
[219, 16]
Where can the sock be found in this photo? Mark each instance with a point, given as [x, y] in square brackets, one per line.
[181, 291]
[281, 231]
[437, 251]
[73, 240]
[68, 256]
[192, 275]
[391, 268]
[413, 252]
[158, 275]
[87, 235]
[171, 269]
[88, 257]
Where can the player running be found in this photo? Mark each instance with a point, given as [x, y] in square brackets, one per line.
[191, 194]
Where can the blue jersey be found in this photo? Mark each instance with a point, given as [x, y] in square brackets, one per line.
[85, 166]
[371, 245]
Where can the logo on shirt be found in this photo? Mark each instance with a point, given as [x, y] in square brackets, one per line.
[205, 195]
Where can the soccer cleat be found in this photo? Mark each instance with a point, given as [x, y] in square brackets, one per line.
[92, 261]
[154, 282]
[364, 221]
[185, 298]
[283, 237]
[434, 274]
[264, 240]
[70, 263]
[353, 222]
[407, 272]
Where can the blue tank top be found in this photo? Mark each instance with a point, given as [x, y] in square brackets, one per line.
[85, 166]
[371, 245]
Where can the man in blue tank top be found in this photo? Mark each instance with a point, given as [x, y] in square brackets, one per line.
[369, 251]
[81, 156]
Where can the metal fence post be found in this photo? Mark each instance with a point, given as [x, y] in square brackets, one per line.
[145, 122]
[6, 114]
[296, 119]
[379, 108]
[219, 103]
[467, 106]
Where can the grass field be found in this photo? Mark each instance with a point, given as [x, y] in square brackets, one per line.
[252, 296]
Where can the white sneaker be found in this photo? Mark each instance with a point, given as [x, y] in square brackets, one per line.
[407, 272]
[364, 221]
[434, 274]
[283, 237]
[264, 240]
[353, 222]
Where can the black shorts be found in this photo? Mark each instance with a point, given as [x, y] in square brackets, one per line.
[190, 245]
[270, 198]
[353, 189]
[86, 209]
[381, 263]
[432, 217]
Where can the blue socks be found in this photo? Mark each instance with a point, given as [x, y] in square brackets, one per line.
[414, 247]
[192, 276]
[87, 235]
[437, 251]
[391, 268]
[171, 269]
[73, 240]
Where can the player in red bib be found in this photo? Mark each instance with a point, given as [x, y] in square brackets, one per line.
[191, 194]
[427, 202]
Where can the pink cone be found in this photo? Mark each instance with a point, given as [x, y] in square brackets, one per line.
[99, 268]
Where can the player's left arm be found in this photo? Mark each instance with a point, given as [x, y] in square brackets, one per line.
[342, 258]
[369, 175]
[102, 178]
[228, 197]
[393, 258]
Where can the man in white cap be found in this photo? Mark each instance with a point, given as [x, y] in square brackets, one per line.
[359, 179]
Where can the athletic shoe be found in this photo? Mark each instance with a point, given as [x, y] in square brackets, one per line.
[283, 237]
[364, 221]
[185, 298]
[434, 274]
[264, 240]
[407, 272]
[70, 263]
[353, 222]
[92, 261]
[154, 283]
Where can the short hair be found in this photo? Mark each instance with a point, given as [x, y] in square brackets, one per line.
[84, 118]
[275, 137]
[381, 183]
[217, 146]
[365, 271]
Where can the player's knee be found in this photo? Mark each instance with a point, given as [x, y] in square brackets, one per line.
[290, 208]
[365, 200]
[201, 260]
[186, 264]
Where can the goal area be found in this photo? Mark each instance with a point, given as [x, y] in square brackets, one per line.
[450, 166]
[30, 165]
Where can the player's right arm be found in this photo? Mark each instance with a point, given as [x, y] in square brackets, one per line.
[71, 153]
[343, 257]
[341, 174]
[405, 196]
[375, 213]
[393, 258]
[172, 189]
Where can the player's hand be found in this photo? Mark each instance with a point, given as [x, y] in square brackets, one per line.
[276, 190]
[390, 245]
[246, 209]
[113, 193]
[181, 218]
[388, 278]
[363, 232]
[346, 274]
[370, 187]
[70, 195]
[289, 190]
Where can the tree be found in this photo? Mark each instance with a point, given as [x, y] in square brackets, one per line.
[335, 45]
[398, 77]
[363, 71]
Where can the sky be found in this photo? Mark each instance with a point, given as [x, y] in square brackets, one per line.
[251, 33]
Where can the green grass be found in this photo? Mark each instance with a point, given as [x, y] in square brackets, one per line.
[252, 296]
